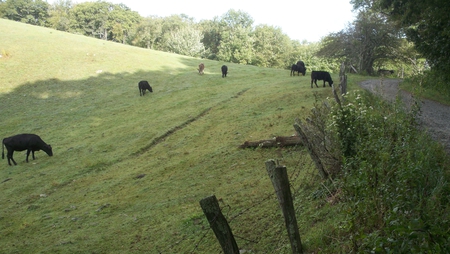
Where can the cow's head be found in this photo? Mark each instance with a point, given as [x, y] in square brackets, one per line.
[48, 150]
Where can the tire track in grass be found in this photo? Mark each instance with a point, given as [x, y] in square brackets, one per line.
[161, 138]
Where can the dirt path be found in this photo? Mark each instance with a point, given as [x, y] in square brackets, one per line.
[434, 117]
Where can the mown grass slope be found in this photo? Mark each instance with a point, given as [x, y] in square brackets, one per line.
[128, 172]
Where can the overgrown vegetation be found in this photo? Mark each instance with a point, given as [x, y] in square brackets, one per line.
[430, 85]
[392, 183]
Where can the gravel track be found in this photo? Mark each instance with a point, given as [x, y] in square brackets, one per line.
[434, 116]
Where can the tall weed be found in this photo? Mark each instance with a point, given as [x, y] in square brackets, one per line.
[392, 180]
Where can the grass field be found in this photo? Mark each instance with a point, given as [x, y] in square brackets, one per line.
[128, 172]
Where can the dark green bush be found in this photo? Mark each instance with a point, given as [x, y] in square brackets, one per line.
[393, 178]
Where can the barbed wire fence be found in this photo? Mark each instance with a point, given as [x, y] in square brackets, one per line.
[236, 215]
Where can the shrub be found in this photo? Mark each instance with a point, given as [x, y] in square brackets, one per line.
[395, 192]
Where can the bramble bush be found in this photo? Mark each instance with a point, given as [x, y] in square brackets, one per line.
[393, 178]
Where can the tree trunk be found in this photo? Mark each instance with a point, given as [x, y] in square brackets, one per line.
[279, 141]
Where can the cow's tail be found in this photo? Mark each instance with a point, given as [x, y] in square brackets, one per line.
[3, 149]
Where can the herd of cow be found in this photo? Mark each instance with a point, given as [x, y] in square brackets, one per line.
[32, 142]
[299, 67]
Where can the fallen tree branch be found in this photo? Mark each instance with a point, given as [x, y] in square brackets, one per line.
[280, 141]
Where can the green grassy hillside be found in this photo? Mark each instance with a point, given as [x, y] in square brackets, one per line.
[128, 172]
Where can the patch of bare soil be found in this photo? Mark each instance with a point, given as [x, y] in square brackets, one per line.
[434, 117]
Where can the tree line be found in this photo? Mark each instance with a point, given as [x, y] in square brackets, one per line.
[232, 37]
[410, 36]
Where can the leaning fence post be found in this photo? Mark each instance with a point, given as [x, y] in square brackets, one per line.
[312, 152]
[278, 176]
[219, 224]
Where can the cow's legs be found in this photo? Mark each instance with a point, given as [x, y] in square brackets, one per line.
[10, 158]
[32, 154]
[28, 153]
[315, 82]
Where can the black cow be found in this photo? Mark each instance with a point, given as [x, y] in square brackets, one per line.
[321, 75]
[224, 71]
[29, 142]
[299, 68]
[385, 72]
[144, 85]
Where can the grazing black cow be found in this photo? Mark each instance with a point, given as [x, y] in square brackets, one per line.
[224, 71]
[144, 85]
[29, 142]
[385, 72]
[299, 68]
[321, 75]
[201, 68]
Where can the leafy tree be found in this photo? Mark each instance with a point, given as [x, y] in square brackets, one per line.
[236, 44]
[425, 23]
[33, 12]
[121, 21]
[168, 25]
[3, 8]
[271, 47]
[148, 32]
[369, 41]
[233, 19]
[212, 36]
[59, 15]
[186, 41]
[103, 20]
[91, 18]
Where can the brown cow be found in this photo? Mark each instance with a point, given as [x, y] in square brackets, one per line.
[201, 68]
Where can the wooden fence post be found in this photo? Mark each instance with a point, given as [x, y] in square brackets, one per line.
[343, 79]
[278, 176]
[219, 224]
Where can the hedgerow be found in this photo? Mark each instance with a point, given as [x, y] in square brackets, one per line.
[392, 180]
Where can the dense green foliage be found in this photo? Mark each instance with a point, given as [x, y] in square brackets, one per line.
[33, 12]
[369, 42]
[426, 24]
[393, 179]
